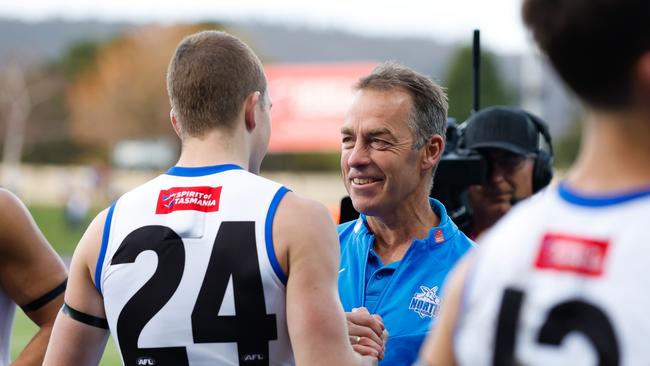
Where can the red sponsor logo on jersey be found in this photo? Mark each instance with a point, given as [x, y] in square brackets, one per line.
[204, 199]
[572, 254]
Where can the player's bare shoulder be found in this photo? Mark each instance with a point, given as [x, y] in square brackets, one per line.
[299, 215]
[11, 216]
[302, 222]
[90, 243]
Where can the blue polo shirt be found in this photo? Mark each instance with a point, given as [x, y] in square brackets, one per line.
[405, 293]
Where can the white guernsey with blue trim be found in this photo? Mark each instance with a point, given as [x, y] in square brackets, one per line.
[188, 271]
[563, 279]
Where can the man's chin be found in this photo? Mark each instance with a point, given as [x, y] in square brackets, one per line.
[499, 208]
[364, 207]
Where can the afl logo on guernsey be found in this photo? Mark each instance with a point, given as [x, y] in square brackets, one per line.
[204, 199]
[426, 303]
[145, 361]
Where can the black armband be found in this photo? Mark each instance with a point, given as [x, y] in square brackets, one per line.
[84, 318]
[49, 296]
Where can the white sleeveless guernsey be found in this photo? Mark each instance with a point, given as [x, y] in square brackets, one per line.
[562, 280]
[7, 311]
[188, 272]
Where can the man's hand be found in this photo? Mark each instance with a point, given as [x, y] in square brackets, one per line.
[367, 333]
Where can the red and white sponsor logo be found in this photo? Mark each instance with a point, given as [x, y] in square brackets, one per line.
[572, 254]
[438, 236]
[204, 199]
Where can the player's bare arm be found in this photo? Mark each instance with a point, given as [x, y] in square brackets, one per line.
[31, 273]
[80, 332]
[308, 251]
[438, 347]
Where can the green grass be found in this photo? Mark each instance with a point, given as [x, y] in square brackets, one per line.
[24, 330]
[51, 220]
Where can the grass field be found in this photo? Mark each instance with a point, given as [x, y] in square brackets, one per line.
[24, 330]
[51, 220]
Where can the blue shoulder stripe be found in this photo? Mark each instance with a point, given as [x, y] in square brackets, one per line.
[268, 234]
[102, 251]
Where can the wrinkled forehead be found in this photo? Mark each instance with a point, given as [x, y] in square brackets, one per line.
[373, 110]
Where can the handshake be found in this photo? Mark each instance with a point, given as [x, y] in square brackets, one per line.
[368, 335]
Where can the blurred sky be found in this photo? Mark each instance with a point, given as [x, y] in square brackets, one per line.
[448, 21]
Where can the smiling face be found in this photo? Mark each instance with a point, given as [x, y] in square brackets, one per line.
[382, 171]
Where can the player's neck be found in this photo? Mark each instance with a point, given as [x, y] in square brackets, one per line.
[213, 148]
[614, 156]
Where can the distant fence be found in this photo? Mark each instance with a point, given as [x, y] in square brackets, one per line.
[53, 185]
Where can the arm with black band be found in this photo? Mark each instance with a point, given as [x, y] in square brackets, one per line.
[84, 318]
[81, 330]
[46, 298]
[31, 274]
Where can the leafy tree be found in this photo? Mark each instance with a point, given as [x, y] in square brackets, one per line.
[79, 58]
[460, 85]
[124, 96]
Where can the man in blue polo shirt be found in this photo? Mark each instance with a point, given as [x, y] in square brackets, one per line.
[395, 257]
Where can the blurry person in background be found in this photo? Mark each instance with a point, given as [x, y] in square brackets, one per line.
[31, 275]
[563, 278]
[517, 147]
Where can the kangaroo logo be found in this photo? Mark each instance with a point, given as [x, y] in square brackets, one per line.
[426, 303]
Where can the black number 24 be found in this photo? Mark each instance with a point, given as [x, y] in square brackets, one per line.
[233, 254]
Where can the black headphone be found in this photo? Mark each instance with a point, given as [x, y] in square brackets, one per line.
[543, 166]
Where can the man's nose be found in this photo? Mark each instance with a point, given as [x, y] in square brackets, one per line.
[497, 172]
[358, 155]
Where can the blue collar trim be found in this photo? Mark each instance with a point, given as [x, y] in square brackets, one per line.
[576, 198]
[182, 171]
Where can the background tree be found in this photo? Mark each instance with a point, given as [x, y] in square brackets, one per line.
[123, 94]
[458, 80]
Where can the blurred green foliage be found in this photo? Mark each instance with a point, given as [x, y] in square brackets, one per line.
[459, 83]
[79, 58]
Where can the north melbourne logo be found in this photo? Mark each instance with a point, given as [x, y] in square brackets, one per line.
[204, 199]
[426, 303]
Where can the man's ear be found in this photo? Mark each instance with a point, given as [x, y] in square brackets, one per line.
[250, 106]
[433, 150]
[175, 125]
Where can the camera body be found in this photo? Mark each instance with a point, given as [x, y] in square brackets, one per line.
[458, 169]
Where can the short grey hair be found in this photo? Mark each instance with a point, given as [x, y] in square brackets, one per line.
[429, 114]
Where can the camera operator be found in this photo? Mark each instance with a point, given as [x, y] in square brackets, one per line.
[517, 147]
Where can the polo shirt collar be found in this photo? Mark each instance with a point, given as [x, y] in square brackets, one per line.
[445, 231]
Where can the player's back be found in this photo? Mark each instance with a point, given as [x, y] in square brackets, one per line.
[562, 280]
[188, 271]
